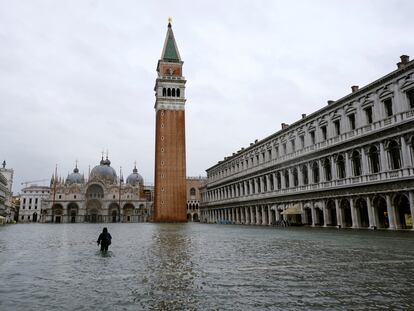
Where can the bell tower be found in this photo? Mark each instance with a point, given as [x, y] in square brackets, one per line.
[170, 160]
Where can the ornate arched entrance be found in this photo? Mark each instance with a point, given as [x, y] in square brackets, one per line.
[128, 211]
[73, 210]
[362, 212]
[402, 212]
[331, 213]
[57, 213]
[114, 212]
[381, 212]
[346, 213]
[93, 211]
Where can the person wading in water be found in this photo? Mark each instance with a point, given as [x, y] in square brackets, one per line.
[104, 239]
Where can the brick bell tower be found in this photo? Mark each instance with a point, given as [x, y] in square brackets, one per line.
[170, 173]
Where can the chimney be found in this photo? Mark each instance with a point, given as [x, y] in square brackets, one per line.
[303, 115]
[285, 126]
[330, 102]
[354, 88]
[405, 59]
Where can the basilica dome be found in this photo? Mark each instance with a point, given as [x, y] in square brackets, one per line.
[75, 177]
[135, 178]
[104, 170]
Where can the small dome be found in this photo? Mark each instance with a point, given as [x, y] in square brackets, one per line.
[75, 177]
[135, 178]
[104, 170]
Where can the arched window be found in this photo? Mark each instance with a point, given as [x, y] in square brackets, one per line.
[373, 157]
[178, 92]
[327, 169]
[286, 175]
[173, 93]
[164, 91]
[192, 191]
[315, 171]
[169, 92]
[394, 154]
[340, 162]
[356, 163]
[295, 177]
[305, 174]
[278, 180]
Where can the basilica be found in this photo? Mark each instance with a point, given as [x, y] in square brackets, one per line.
[102, 197]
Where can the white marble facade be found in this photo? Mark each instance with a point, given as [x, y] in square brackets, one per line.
[349, 164]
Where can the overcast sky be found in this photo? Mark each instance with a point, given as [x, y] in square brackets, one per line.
[77, 77]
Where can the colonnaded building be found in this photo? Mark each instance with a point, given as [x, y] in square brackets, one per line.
[103, 197]
[349, 164]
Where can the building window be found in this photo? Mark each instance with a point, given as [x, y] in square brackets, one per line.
[351, 119]
[164, 91]
[305, 174]
[410, 97]
[169, 92]
[269, 154]
[368, 114]
[394, 153]
[337, 125]
[388, 107]
[340, 162]
[284, 148]
[173, 92]
[327, 169]
[22, 217]
[293, 145]
[373, 157]
[36, 199]
[192, 191]
[312, 136]
[323, 131]
[302, 141]
[315, 171]
[295, 177]
[277, 151]
[356, 163]
[286, 175]
[24, 200]
[30, 201]
[264, 157]
[60, 196]
[278, 180]
[178, 92]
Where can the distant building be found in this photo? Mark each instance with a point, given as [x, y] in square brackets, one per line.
[103, 197]
[349, 164]
[31, 200]
[6, 184]
[193, 197]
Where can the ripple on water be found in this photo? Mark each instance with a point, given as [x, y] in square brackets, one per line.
[204, 267]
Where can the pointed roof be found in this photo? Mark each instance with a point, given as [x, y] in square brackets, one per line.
[170, 51]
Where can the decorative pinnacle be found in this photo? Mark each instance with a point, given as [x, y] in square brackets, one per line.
[169, 21]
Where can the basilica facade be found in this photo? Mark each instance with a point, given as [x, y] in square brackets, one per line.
[349, 165]
[102, 197]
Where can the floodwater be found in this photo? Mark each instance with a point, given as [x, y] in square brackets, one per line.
[204, 267]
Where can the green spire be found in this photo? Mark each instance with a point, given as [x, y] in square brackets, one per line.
[170, 52]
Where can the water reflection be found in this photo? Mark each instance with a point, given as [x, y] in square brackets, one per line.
[169, 283]
[204, 267]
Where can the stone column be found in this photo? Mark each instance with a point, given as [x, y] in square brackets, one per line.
[371, 216]
[333, 168]
[274, 181]
[267, 179]
[256, 209]
[277, 215]
[338, 214]
[291, 182]
[321, 174]
[391, 212]
[365, 166]
[325, 216]
[383, 158]
[256, 186]
[313, 212]
[269, 215]
[404, 154]
[282, 181]
[354, 214]
[264, 215]
[252, 213]
[347, 166]
[300, 176]
[262, 188]
[310, 174]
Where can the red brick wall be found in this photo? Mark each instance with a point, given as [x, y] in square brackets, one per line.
[170, 173]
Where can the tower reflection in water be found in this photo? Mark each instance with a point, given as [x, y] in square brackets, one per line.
[169, 279]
